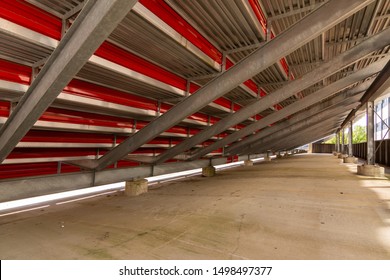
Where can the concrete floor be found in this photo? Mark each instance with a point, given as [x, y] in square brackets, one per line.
[302, 207]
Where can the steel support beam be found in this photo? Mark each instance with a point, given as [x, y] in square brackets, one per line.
[343, 99]
[370, 133]
[312, 137]
[296, 138]
[304, 136]
[296, 12]
[296, 119]
[365, 48]
[300, 138]
[294, 108]
[92, 26]
[299, 34]
[298, 135]
[378, 87]
[308, 122]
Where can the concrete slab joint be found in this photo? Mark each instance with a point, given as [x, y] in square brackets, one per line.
[136, 187]
[370, 170]
[349, 159]
[208, 171]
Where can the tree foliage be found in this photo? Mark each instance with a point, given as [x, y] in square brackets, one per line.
[359, 135]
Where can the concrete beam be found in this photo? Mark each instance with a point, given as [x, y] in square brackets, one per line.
[93, 25]
[374, 43]
[295, 107]
[319, 21]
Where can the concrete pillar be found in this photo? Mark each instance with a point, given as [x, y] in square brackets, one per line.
[370, 133]
[342, 142]
[136, 187]
[350, 158]
[267, 157]
[208, 171]
[338, 142]
[370, 169]
[310, 150]
[248, 162]
[350, 150]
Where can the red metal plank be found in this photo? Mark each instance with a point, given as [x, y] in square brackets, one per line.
[9, 171]
[27, 15]
[174, 20]
[4, 109]
[14, 72]
[122, 57]
[76, 117]
[259, 14]
[30, 153]
[45, 136]
[85, 89]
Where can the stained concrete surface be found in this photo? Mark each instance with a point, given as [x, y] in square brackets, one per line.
[301, 207]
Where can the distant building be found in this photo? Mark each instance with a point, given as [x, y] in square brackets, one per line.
[382, 109]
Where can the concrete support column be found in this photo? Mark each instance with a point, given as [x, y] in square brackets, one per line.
[370, 133]
[208, 171]
[310, 150]
[350, 138]
[370, 169]
[350, 158]
[267, 157]
[342, 142]
[136, 187]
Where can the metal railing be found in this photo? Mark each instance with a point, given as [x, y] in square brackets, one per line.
[382, 148]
